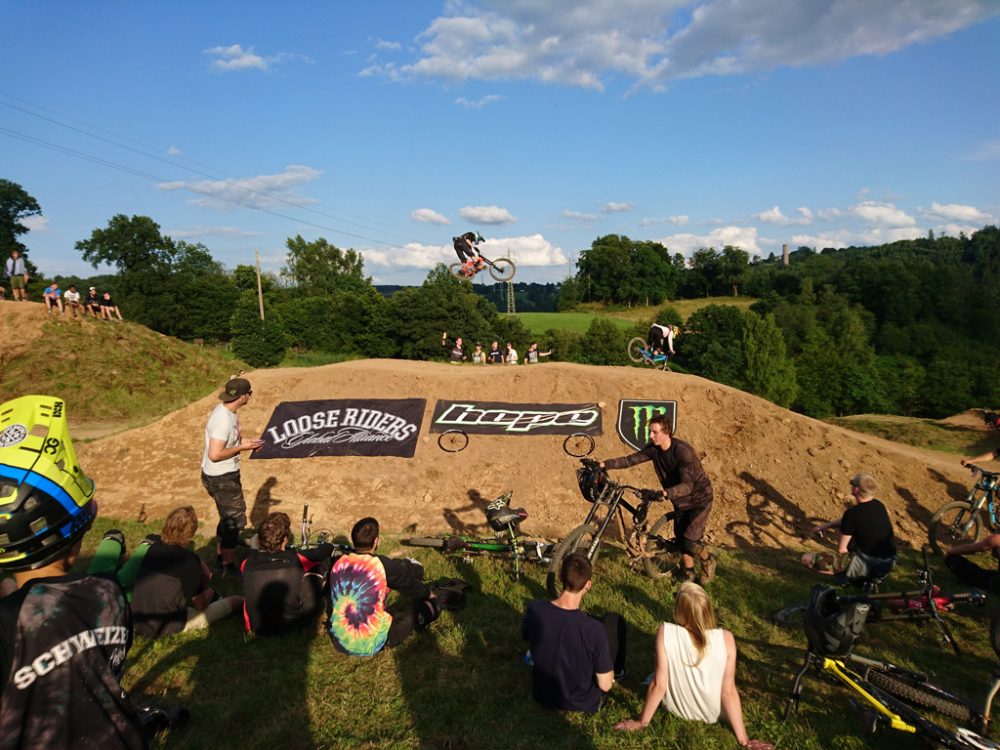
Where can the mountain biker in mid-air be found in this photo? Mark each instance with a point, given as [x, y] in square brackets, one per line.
[660, 335]
[468, 253]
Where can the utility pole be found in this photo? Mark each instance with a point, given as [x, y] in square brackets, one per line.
[260, 288]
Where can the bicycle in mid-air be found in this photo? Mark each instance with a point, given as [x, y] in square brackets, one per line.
[961, 521]
[883, 693]
[501, 269]
[507, 540]
[642, 354]
[651, 546]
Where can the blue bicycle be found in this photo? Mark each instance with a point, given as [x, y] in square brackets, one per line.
[640, 352]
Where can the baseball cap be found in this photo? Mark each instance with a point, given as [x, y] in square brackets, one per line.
[234, 389]
[93, 289]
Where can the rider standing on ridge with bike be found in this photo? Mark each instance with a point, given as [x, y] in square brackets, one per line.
[685, 484]
[465, 248]
[866, 547]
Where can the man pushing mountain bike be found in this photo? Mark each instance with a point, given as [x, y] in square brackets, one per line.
[686, 485]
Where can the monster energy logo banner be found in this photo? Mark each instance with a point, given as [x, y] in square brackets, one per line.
[634, 416]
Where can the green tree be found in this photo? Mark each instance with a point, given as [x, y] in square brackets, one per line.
[733, 265]
[603, 344]
[16, 205]
[259, 343]
[769, 371]
[712, 344]
[319, 268]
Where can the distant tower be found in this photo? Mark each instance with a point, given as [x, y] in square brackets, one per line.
[784, 254]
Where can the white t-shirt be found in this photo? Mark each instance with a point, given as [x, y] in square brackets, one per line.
[72, 296]
[694, 692]
[223, 424]
[512, 356]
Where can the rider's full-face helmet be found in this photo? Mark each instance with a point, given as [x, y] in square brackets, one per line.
[46, 501]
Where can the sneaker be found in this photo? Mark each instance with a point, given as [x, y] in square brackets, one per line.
[707, 571]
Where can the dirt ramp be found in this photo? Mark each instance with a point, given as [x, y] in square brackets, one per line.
[774, 471]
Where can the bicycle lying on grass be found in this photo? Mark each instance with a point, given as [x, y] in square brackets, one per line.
[506, 542]
[641, 353]
[659, 555]
[961, 521]
[924, 604]
[501, 269]
[322, 536]
[882, 692]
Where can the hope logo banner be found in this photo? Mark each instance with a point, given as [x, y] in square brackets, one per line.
[495, 418]
[343, 427]
[634, 416]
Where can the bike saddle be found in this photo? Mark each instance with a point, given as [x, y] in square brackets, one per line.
[501, 517]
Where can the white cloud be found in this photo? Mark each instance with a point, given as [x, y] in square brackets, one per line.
[579, 216]
[527, 251]
[876, 212]
[844, 237]
[384, 45]
[677, 221]
[173, 151]
[741, 237]
[774, 216]
[653, 42]
[829, 214]
[235, 58]
[263, 191]
[211, 231]
[957, 212]
[612, 207]
[428, 216]
[486, 215]
[987, 152]
[953, 230]
[38, 224]
[478, 103]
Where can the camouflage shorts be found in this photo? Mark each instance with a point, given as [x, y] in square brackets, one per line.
[227, 491]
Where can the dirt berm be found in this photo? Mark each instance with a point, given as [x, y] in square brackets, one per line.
[774, 471]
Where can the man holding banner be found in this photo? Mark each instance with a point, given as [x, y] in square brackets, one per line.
[685, 484]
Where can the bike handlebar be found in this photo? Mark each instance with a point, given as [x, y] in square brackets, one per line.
[646, 495]
[986, 474]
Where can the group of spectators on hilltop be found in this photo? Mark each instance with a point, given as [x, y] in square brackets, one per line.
[97, 305]
[495, 356]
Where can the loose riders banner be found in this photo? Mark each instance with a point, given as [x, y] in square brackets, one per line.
[495, 418]
[634, 416]
[343, 427]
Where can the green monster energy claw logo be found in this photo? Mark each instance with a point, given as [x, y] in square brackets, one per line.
[634, 416]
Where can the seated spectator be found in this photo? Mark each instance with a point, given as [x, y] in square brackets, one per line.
[3, 293]
[53, 298]
[968, 571]
[575, 656]
[108, 307]
[171, 592]
[283, 587]
[92, 303]
[695, 675]
[359, 622]
[73, 303]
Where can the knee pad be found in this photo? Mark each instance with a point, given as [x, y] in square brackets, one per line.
[427, 612]
[228, 533]
[691, 547]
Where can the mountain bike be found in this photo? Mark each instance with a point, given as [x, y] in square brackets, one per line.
[658, 554]
[924, 604]
[885, 692]
[507, 540]
[961, 521]
[323, 536]
[639, 352]
[501, 269]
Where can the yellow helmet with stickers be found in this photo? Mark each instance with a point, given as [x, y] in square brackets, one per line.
[46, 501]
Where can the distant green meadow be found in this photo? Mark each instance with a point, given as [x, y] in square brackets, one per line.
[575, 322]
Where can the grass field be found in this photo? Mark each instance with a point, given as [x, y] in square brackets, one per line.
[575, 322]
[923, 433]
[463, 683]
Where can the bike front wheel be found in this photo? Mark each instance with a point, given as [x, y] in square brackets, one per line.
[953, 524]
[578, 445]
[453, 441]
[458, 271]
[579, 539]
[921, 694]
[502, 269]
[636, 349]
[663, 554]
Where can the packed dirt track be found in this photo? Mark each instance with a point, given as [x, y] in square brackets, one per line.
[774, 472]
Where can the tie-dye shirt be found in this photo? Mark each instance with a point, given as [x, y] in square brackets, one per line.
[359, 624]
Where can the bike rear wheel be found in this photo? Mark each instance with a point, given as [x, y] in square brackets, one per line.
[458, 271]
[953, 524]
[502, 269]
[434, 542]
[636, 347]
[578, 445]
[578, 540]
[920, 694]
[664, 555]
[452, 441]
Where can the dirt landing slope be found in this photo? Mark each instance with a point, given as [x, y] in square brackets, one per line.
[773, 471]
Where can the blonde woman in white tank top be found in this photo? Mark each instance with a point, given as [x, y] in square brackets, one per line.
[695, 675]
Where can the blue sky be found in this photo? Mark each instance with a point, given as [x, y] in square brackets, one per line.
[389, 127]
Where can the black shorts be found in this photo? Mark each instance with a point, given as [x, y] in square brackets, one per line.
[227, 491]
[690, 523]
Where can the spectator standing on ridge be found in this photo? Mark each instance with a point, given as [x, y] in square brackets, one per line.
[685, 484]
[531, 356]
[456, 355]
[866, 547]
[575, 656]
[72, 298]
[171, 592]
[220, 469]
[695, 675]
[53, 298]
[478, 355]
[93, 303]
[16, 270]
[495, 356]
[283, 587]
[511, 358]
[108, 307]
